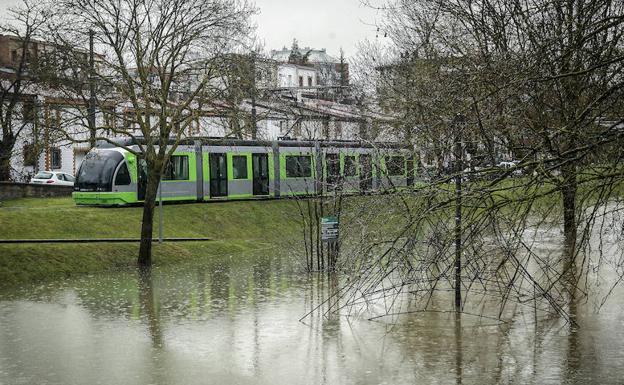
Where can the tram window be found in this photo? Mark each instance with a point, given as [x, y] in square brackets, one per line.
[239, 167]
[350, 168]
[123, 176]
[395, 165]
[177, 168]
[298, 166]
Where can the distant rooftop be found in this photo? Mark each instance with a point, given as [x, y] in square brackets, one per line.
[316, 55]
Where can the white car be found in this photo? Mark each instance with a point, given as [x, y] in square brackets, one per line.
[511, 165]
[507, 164]
[54, 178]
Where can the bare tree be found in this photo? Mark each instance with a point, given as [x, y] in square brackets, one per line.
[539, 79]
[240, 92]
[539, 82]
[18, 107]
[160, 60]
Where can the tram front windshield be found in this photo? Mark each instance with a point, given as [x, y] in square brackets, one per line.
[96, 171]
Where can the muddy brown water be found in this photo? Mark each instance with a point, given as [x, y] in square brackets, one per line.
[235, 320]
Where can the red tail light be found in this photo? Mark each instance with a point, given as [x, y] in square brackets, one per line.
[49, 181]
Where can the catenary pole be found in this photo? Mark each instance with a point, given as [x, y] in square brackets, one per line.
[91, 120]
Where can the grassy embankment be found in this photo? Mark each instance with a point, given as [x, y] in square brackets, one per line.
[235, 227]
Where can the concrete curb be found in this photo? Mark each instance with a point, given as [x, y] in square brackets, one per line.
[100, 240]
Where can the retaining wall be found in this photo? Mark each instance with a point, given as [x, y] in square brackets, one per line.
[12, 190]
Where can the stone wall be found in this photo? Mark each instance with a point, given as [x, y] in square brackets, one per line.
[11, 190]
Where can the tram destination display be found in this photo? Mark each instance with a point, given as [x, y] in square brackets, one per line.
[329, 229]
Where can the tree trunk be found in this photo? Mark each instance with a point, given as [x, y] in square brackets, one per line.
[6, 149]
[458, 218]
[147, 226]
[568, 192]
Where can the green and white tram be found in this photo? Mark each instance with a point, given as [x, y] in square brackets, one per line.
[205, 169]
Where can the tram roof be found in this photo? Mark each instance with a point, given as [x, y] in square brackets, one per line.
[283, 142]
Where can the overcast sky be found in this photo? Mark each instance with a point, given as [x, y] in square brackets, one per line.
[329, 24]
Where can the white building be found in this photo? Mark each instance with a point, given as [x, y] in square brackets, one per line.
[293, 75]
[329, 71]
[52, 137]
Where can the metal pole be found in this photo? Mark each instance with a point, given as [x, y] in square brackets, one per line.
[36, 126]
[160, 213]
[458, 214]
[91, 119]
[254, 123]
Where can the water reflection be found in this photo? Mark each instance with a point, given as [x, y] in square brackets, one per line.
[234, 320]
[148, 306]
[458, 349]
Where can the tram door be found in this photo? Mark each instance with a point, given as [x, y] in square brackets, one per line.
[260, 166]
[333, 170]
[366, 172]
[218, 175]
[142, 182]
[410, 171]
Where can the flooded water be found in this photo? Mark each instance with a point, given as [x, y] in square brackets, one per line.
[235, 320]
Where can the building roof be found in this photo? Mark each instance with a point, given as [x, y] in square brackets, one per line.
[315, 56]
[305, 67]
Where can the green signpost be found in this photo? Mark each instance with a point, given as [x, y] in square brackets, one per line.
[329, 229]
[329, 235]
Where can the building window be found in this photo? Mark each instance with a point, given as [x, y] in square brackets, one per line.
[300, 81]
[14, 55]
[297, 129]
[239, 167]
[350, 168]
[30, 154]
[177, 168]
[289, 80]
[338, 130]
[28, 111]
[395, 165]
[128, 121]
[109, 119]
[55, 154]
[123, 176]
[309, 81]
[298, 166]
